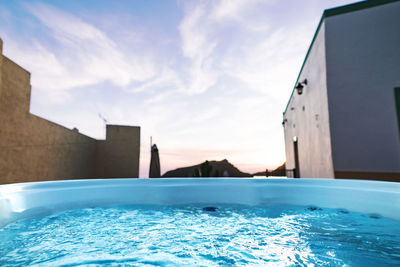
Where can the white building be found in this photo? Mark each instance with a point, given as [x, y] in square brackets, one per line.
[346, 121]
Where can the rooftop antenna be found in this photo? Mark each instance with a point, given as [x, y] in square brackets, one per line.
[151, 142]
[104, 120]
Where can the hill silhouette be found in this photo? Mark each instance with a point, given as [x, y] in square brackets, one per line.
[213, 168]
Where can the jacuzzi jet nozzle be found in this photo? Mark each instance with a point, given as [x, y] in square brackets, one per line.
[209, 208]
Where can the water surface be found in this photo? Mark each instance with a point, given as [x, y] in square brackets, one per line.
[202, 236]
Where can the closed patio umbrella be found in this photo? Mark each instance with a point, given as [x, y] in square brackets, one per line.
[155, 170]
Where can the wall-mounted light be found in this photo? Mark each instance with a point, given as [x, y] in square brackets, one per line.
[284, 121]
[300, 86]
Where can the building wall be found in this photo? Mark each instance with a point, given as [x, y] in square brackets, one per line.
[34, 149]
[118, 155]
[308, 119]
[363, 55]
[1, 66]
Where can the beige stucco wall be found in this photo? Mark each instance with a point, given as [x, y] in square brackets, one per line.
[307, 117]
[34, 149]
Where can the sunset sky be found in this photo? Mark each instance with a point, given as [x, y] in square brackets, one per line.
[208, 80]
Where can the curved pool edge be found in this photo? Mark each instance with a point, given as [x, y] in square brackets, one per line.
[22, 200]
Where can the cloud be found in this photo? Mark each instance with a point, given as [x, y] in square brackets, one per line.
[77, 54]
[197, 46]
[229, 39]
[241, 12]
[236, 39]
[159, 97]
[165, 79]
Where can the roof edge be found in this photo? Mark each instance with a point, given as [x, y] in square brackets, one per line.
[355, 7]
[305, 60]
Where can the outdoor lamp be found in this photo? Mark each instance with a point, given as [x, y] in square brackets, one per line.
[300, 86]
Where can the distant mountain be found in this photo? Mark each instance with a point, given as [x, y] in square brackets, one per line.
[280, 171]
[213, 168]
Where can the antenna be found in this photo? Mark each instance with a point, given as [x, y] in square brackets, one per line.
[104, 119]
[105, 122]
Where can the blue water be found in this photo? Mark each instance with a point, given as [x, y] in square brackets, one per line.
[190, 235]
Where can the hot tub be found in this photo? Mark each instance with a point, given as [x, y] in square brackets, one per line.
[224, 221]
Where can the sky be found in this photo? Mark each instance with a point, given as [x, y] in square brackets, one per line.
[208, 80]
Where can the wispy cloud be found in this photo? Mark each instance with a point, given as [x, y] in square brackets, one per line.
[197, 46]
[256, 53]
[79, 54]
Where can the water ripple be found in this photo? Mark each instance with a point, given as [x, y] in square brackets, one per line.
[189, 235]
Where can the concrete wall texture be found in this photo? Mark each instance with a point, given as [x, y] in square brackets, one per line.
[356, 106]
[34, 149]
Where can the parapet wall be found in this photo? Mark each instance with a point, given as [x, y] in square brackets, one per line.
[35, 149]
[118, 155]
